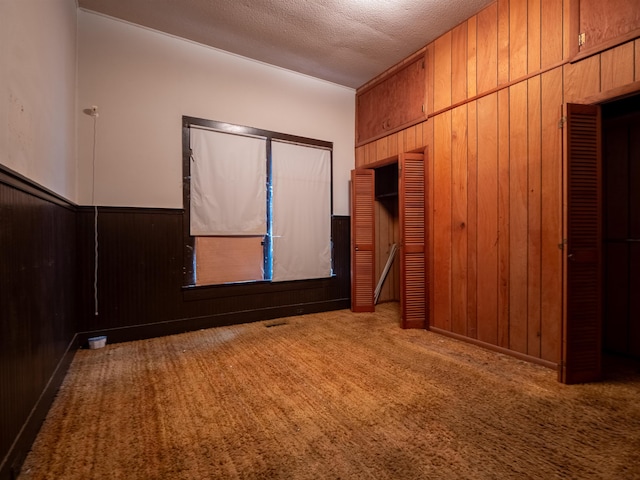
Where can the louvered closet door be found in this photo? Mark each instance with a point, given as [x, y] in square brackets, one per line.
[413, 279]
[362, 240]
[581, 355]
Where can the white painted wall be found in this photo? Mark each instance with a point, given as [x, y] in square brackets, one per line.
[38, 91]
[144, 81]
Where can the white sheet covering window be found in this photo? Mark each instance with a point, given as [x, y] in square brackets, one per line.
[228, 184]
[301, 216]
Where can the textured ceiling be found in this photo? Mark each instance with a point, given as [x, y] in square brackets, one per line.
[347, 42]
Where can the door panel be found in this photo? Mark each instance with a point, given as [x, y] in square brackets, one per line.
[362, 240]
[581, 348]
[413, 278]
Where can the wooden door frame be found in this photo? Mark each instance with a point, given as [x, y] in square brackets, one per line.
[428, 243]
[601, 98]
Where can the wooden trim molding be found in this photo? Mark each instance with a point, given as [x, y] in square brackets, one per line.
[22, 183]
[495, 348]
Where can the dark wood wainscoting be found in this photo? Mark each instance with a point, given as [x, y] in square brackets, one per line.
[48, 304]
[37, 309]
[140, 291]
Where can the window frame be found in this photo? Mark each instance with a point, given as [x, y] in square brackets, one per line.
[189, 260]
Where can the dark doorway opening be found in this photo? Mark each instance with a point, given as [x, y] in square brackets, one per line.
[621, 237]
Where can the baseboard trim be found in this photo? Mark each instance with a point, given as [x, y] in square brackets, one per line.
[171, 327]
[495, 348]
[15, 457]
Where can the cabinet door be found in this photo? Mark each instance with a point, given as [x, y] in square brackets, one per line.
[362, 240]
[606, 24]
[413, 271]
[394, 102]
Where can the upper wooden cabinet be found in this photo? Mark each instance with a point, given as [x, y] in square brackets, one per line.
[604, 24]
[394, 102]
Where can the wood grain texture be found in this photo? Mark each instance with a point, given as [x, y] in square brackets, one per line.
[551, 222]
[487, 49]
[442, 77]
[518, 233]
[360, 157]
[504, 59]
[534, 31]
[534, 241]
[472, 219]
[604, 22]
[507, 178]
[229, 259]
[487, 196]
[472, 56]
[459, 63]
[581, 79]
[552, 32]
[617, 67]
[459, 152]
[442, 221]
[518, 39]
[504, 208]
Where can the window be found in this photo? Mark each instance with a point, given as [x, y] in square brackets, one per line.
[258, 204]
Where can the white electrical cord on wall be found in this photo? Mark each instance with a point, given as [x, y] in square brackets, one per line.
[94, 114]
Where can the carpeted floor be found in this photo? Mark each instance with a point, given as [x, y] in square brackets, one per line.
[330, 396]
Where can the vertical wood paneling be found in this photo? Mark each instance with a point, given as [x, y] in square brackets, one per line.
[518, 39]
[617, 67]
[371, 152]
[504, 208]
[459, 219]
[409, 139]
[442, 220]
[472, 56]
[459, 63]
[551, 221]
[38, 310]
[360, 156]
[487, 227]
[519, 216]
[393, 145]
[582, 79]
[487, 48]
[442, 75]
[503, 42]
[534, 213]
[430, 75]
[533, 36]
[472, 219]
[429, 201]
[382, 148]
[495, 166]
[552, 31]
[571, 28]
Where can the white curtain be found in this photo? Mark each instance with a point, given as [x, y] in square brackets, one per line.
[301, 216]
[228, 184]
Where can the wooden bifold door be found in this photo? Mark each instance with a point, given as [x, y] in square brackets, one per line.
[413, 252]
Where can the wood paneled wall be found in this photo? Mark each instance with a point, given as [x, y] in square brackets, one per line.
[37, 310]
[496, 85]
